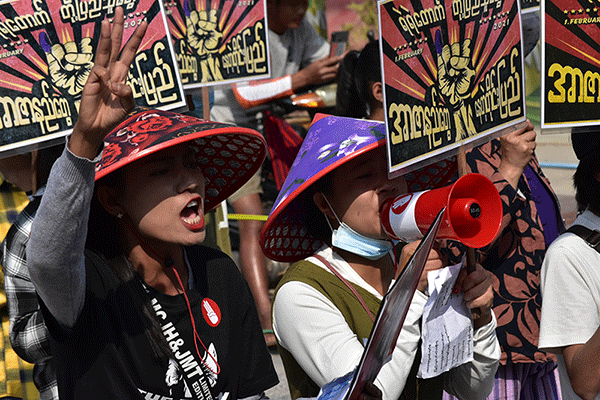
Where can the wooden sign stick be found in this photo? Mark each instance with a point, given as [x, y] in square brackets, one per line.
[34, 171]
[205, 103]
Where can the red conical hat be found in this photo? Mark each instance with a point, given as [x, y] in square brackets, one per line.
[228, 155]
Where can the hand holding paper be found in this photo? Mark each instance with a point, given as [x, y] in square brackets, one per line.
[447, 329]
[478, 293]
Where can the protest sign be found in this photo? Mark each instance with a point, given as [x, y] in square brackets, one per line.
[452, 74]
[219, 42]
[570, 64]
[47, 54]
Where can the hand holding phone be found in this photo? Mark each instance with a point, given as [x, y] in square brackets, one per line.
[339, 43]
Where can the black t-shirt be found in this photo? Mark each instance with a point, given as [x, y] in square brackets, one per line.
[107, 355]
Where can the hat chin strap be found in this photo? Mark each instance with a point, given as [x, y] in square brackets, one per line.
[333, 211]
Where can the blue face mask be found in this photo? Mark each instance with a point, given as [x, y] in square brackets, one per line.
[348, 239]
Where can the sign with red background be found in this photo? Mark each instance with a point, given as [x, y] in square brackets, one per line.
[47, 52]
[452, 74]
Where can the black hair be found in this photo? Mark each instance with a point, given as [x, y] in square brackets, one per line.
[104, 235]
[105, 239]
[587, 188]
[315, 221]
[356, 73]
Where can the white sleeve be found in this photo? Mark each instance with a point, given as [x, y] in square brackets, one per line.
[475, 379]
[315, 332]
[394, 374]
[568, 294]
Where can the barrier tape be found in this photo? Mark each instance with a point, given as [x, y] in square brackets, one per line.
[246, 217]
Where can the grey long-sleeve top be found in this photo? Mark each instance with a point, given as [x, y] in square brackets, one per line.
[55, 253]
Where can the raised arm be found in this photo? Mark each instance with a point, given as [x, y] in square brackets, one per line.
[517, 148]
[106, 98]
[56, 248]
[504, 166]
[264, 91]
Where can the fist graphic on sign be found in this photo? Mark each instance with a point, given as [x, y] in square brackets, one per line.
[69, 64]
[455, 82]
[202, 30]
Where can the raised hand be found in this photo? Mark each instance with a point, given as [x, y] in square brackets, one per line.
[106, 97]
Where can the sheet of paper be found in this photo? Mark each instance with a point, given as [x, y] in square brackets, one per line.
[447, 334]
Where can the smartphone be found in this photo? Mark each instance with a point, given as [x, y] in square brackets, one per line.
[339, 42]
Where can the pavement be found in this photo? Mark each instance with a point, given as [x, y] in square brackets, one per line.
[558, 161]
[281, 391]
[557, 158]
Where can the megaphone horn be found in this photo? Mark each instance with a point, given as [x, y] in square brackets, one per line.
[473, 212]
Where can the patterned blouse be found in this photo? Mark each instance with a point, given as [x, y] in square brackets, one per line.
[515, 258]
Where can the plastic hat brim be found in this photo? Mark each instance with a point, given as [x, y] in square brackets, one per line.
[228, 155]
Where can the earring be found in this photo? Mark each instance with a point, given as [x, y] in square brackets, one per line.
[120, 215]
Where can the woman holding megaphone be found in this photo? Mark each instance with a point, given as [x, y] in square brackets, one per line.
[327, 219]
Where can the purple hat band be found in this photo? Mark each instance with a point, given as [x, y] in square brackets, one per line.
[228, 155]
[330, 142]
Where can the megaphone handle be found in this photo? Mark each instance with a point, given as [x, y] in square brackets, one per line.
[461, 163]
[471, 261]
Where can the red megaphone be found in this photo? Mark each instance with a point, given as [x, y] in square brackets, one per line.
[473, 212]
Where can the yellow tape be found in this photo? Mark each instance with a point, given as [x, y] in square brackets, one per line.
[247, 217]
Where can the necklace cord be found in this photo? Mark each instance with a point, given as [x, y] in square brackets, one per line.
[196, 335]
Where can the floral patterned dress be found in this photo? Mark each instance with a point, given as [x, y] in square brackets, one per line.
[515, 258]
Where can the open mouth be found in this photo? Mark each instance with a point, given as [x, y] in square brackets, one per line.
[192, 215]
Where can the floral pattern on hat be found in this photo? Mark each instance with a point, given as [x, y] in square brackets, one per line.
[228, 155]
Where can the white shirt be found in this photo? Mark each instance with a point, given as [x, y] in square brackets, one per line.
[314, 331]
[290, 52]
[570, 285]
